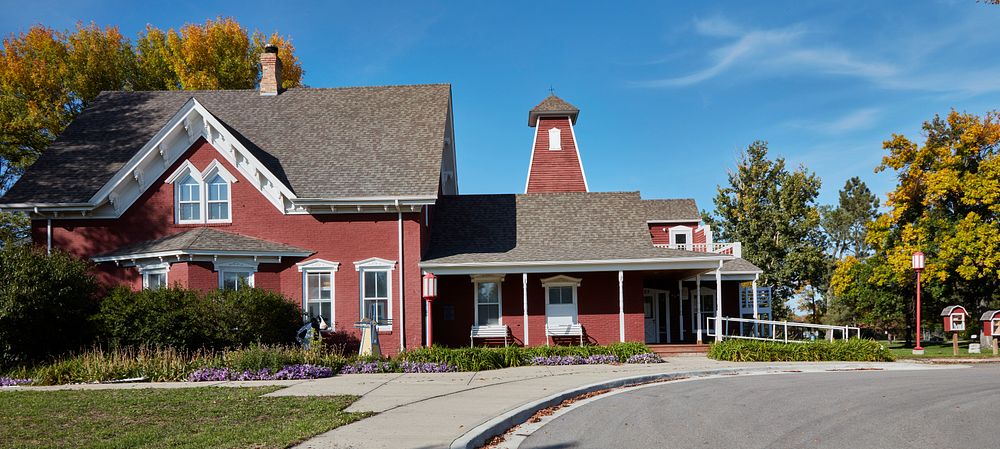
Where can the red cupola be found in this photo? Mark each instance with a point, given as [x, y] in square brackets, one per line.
[555, 158]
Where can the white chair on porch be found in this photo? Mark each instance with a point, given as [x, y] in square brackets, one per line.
[489, 331]
[564, 330]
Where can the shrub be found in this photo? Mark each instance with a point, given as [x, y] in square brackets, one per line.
[483, 358]
[853, 350]
[187, 319]
[255, 315]
[45, 301]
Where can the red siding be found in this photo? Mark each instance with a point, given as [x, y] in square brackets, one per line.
[660, 232]
[555, 170]
[339, 238]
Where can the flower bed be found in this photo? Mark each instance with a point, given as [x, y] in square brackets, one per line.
[290, 372]
[12, 382]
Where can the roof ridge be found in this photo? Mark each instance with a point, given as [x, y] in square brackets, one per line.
[302, 88]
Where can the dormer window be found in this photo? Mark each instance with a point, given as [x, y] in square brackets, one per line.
[188, 200]
[555, 139]
[202, 197]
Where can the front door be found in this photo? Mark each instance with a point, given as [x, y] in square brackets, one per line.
[652, 322]
[560, 305]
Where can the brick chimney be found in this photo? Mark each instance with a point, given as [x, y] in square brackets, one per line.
[270, 71]
[555, 160]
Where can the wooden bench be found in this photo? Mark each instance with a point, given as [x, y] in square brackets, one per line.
[564, 330]
[491, 331]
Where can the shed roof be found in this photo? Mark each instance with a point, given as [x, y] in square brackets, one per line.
[204, 241]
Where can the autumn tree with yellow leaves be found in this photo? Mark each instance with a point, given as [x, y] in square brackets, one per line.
[947, 205]
[47, 77]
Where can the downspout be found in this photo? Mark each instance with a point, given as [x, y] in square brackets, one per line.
[402, 321]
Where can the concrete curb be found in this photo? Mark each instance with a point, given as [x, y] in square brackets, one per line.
[477, 436]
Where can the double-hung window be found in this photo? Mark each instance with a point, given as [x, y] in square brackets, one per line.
[319, 295]
[218, 199]
[189, 200]
[487, 303]
[154, 279]
[202, 196]
[235, 279]
[375, 294]
[562, 294]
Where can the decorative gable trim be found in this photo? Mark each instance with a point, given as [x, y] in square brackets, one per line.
[318, 265]
[374, 262]
[562, 280]
[217, 168]
[191, 122]
[186, 168]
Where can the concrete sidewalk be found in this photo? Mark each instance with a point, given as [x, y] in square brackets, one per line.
[437, 410]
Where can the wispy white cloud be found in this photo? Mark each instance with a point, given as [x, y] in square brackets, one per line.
[798, 50]
[860, 119]
[770, 50]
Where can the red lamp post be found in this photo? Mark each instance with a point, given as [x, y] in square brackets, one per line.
[918, 266]
[430, 287]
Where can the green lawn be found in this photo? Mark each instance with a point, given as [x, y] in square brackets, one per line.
[220, 417]
[935, 350]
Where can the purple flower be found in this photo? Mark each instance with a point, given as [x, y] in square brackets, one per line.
[292, 372]
[210, 375]
[362, 367]
[601, 359]
[426, 367]
[648, 357]
[558, 360]
[288, 372]
[12, 382]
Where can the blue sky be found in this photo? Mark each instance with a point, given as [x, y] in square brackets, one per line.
[669, 91]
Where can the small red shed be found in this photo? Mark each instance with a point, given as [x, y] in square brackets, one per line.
[991, 323]
[954, 318]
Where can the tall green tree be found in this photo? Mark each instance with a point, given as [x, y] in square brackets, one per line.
[846, 224]
[47, 76]
[773, 211]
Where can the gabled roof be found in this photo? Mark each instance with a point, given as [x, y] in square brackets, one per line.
[354, 142]
[740, 265]
[552, 105]
[203, 241]
[680, 209]
[596, 226]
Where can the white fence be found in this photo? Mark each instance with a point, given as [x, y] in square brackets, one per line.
[730, 248]
[785, 331]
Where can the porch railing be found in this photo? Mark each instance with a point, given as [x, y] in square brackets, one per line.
[730, 248]
[784, 331]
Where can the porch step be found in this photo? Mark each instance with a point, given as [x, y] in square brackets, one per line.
[666, 350]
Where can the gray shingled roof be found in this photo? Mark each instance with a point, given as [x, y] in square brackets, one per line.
[323, 143]
[739, 265]
[553, 105]
[543, 227]
[204, 240]
[671, 209]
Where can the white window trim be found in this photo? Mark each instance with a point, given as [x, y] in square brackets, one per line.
[159, 268]
[485, 278]
[320, 266]
[235, 265]
[375, 264]
[563, 281]
[555, 139]
[201, 178]
[681, 230]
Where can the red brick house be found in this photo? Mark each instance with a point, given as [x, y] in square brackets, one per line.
[344, 199]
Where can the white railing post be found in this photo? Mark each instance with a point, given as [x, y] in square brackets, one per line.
[786, 332]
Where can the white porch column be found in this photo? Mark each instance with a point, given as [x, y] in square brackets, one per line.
[524, 298]
[755, 315]
[697, 301]
[718, 303]
[680, 302]
[621, 306]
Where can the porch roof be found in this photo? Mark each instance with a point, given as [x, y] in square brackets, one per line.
[550, 232]
[202, 241]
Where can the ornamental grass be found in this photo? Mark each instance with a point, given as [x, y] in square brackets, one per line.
[853, 350]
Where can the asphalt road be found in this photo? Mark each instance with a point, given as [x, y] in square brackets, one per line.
[953, 408]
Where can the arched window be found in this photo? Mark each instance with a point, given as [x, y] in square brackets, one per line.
[188, 200]
[218, 199]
